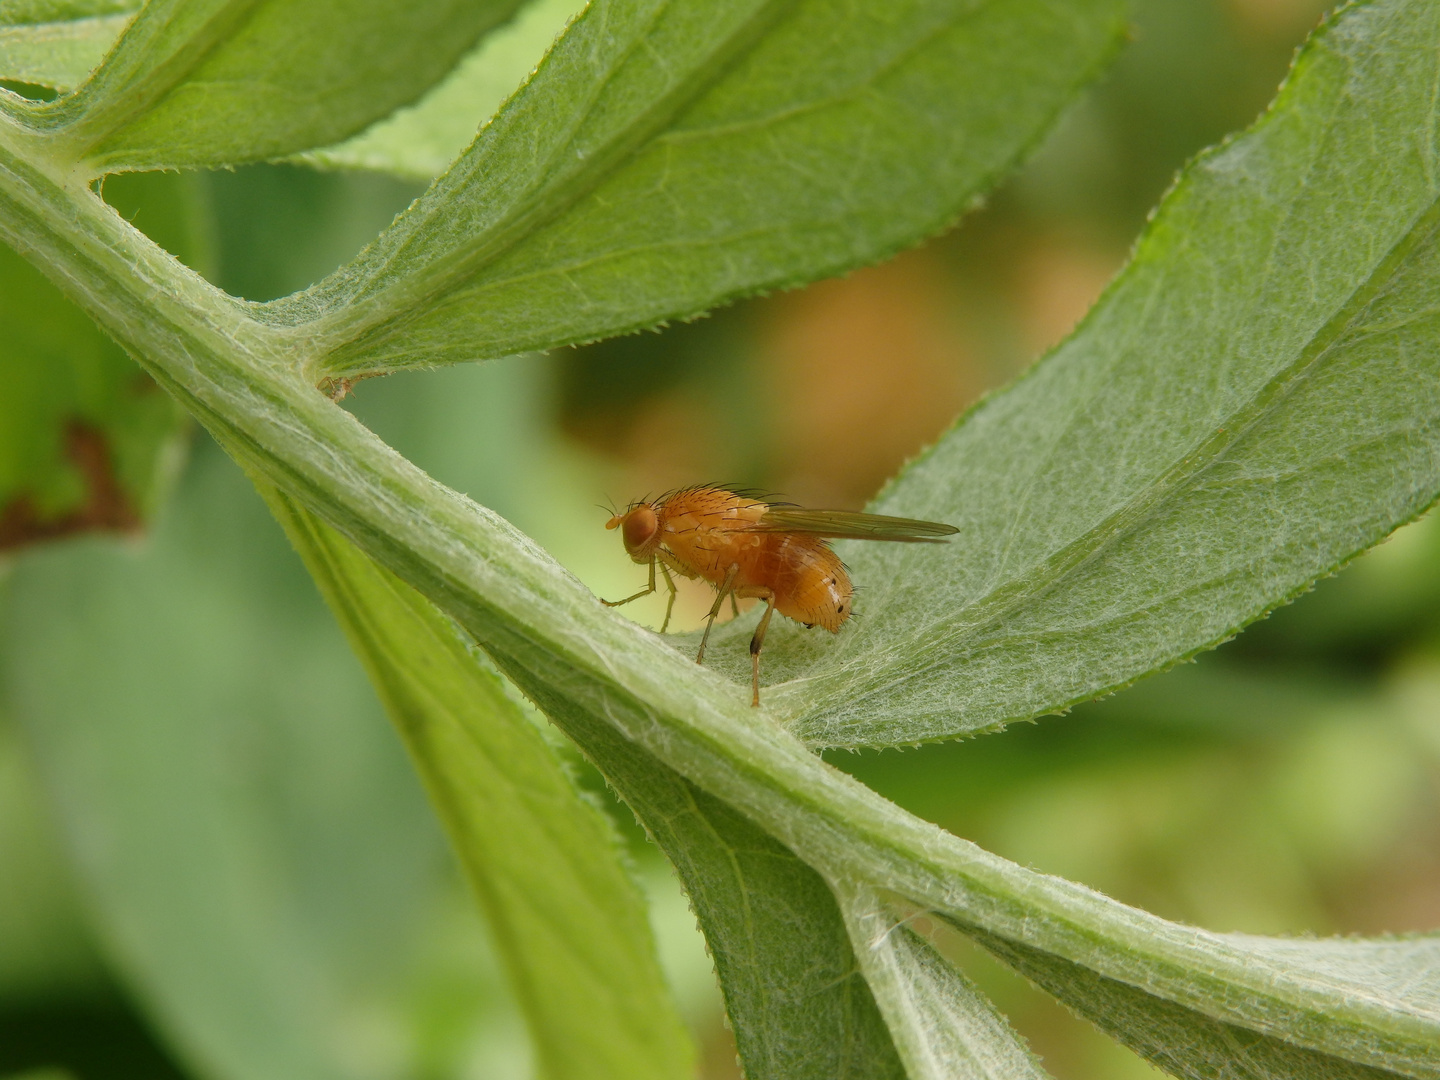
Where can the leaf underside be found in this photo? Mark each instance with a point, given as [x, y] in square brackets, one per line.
[1221, 430]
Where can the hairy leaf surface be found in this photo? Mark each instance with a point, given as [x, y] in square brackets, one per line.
[1254, 400]
[668, 157]
[1189, 1044]
[603, 679]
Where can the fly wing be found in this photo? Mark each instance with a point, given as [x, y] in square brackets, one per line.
[850, 525]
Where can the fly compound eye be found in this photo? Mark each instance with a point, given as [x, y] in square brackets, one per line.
[639, 528]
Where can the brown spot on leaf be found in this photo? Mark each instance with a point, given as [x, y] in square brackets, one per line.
[107, 508]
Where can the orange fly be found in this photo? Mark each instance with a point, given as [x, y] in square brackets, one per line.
[746, 547]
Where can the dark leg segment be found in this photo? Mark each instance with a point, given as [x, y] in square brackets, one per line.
[756, 644]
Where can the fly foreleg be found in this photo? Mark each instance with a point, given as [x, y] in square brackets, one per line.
[646, 592]
[729, 584]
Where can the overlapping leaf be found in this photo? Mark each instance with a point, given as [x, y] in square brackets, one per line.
[88, 442]
[216, 82]
[420, 142]
[668, 157]
[799, 1006]
[258, 859]
[57, 44]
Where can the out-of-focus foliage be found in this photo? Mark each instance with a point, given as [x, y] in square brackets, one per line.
[244, 899]
[86, 441]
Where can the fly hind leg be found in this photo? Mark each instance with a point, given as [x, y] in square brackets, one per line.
[756, 644]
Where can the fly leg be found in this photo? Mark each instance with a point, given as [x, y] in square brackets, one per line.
[715, 607]
[645, 592]
[756, 644]
[669, 604]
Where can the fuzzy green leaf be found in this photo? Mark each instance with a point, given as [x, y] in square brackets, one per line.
[669, 157]
[544, 863]
[944, 1026]
[1255, 400]
[217, 82]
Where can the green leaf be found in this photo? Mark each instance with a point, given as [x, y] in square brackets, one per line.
[1250, 404]
[420, 142]
[87, 440]
[943, 1025]
[1187, 1043]
[543, 862]
[218, 82]
[669, 157]
[59, 55]
[798, 1005]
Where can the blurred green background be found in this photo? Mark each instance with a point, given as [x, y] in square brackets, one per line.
[214, 858]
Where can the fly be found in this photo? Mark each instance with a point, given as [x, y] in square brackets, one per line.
[746, 548]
